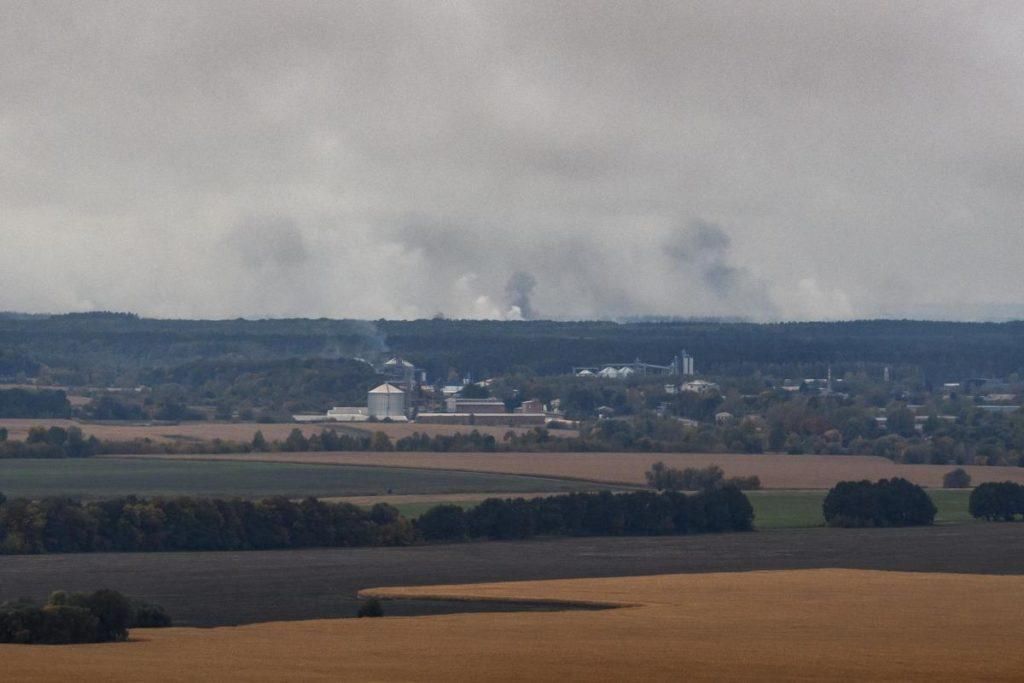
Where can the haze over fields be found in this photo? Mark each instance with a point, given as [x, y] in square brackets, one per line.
[501, 160]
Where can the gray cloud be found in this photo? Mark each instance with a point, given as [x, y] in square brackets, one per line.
[399, 158]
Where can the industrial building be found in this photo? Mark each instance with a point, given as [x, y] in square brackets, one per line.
[475, 405]
[484, 419]
[680, 365]
[386, 402]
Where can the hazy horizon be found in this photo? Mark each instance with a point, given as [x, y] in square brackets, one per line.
[575, 160]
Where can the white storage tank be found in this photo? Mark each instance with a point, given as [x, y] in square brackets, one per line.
[386, 401]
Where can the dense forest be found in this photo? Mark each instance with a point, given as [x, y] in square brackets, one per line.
[120, 349]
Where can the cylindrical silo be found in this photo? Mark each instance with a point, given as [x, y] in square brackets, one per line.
[386, 401]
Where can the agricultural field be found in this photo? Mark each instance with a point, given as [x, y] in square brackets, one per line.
[850, 624]
[92, 478]
[775, 509]
[775, 471]
[185, 432]
[223, 588]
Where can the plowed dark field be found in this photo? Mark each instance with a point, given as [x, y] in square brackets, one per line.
[240, 587]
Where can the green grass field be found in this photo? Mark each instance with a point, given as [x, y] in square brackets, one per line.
[103, 478]
[798, 509]
[787, 509]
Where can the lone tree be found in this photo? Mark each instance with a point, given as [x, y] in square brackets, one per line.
[956, 479]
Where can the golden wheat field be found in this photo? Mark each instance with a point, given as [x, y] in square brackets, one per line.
[826, 624]
[775, 471]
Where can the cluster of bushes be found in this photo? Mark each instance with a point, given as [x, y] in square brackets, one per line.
[640, 513]
[997, 501]
[54, 442]
[665, 478]
[136, 524]
[98, 617]
[887, 502]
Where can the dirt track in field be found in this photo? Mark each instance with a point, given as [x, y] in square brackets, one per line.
[775, 471]
[814, 624]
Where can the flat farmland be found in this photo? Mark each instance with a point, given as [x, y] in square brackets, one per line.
[92, 478]
[775, 471]
[243, 431]
[221, 588]
[846, 625]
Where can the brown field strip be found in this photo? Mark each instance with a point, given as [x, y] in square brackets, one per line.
[825, 624]
[243, 431]
[775, 471]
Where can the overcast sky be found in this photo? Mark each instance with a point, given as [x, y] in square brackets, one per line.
[771, 160]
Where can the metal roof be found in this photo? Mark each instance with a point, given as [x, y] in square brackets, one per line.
[386, 389]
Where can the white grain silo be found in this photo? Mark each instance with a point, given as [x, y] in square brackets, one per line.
[386, 401]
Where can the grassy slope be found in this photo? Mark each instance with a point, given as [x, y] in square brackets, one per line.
[97, 478]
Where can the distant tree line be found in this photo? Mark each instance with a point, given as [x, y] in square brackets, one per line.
[55, 525]
[61, 525]
[885, 503]
[233, 361]
[639, 513]
[665, 478]
[1001, 501]
[98, 617]
[36, 403]
[53, 442]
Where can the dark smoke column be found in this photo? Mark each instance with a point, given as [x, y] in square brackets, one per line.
[518, 291]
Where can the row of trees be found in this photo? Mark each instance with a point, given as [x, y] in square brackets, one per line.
[98, 617]
[158, 524]
[163, 524]
[887, 502]
[53, 442]
[640, 513]
[665, 478]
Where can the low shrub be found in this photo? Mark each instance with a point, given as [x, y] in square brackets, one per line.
[371, 607]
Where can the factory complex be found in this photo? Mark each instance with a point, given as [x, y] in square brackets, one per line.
[404, 396]
[397, 400]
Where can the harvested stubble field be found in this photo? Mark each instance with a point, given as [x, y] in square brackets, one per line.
[820, 624]
[243, 431]
[227, 588]
[775, 471]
